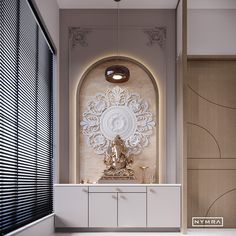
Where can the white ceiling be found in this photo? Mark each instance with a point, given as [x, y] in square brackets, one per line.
[124, 4]
[145, 4]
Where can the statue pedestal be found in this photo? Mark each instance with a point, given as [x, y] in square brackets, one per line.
[115, 180]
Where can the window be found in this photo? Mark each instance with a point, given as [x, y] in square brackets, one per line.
[26, 118]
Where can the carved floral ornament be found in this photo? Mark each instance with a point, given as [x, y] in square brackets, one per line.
[156, 35]
[117, 112]
[78, 36]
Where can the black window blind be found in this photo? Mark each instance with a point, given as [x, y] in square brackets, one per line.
[26, 118]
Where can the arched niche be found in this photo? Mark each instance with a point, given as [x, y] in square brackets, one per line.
[89, 165]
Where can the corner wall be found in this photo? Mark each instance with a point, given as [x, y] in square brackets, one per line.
[49, 12]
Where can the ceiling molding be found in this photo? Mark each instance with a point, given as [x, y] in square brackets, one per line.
[147, 4]
[211, 4]
[111, 4]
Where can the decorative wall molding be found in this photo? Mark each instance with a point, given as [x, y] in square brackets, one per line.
[219, 197]
[78, 36]
[210, 133]
[117, 112]
[208, 100]
[156, 35]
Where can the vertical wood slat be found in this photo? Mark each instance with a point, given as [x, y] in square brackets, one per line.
[181, 108]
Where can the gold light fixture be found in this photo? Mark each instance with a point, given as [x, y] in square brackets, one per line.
[117, 73]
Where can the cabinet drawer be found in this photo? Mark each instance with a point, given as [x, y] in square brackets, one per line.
[115, 189]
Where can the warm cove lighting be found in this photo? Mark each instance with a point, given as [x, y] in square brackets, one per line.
[117, 74]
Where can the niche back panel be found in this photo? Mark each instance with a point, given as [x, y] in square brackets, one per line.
[90, 164]
[211, 148]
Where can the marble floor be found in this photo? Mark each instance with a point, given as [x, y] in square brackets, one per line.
[192, 232]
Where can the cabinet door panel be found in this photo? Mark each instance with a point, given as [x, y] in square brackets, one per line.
[71, 206]
[163, 207]
[102, 209]
[131, 209]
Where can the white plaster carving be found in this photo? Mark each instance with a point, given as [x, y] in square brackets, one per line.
[117, 112]
[78, 36]
[156, 35]
[118, 120]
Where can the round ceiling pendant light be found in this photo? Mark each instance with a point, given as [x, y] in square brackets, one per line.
[117, 73]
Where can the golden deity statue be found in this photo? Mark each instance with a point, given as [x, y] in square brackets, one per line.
[118, 162]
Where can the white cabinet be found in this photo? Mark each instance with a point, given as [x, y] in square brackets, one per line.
[71, 206]
[117, 206]
[131, 210]
[101, 206]
[102, 209]
[163, 207]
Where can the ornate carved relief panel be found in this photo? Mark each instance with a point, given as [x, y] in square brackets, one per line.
[130, 110]
[117, 112]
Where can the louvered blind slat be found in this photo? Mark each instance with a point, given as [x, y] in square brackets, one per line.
[26, 118]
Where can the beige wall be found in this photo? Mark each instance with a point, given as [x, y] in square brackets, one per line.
[179, 28]
[211, 32]
[90, 165]
[49, 12]
[133, 43]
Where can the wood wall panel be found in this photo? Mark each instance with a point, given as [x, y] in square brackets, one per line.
[212, 193]
[211, 149]
[211, 164]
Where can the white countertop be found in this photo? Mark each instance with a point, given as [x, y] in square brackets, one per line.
[121, 185]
